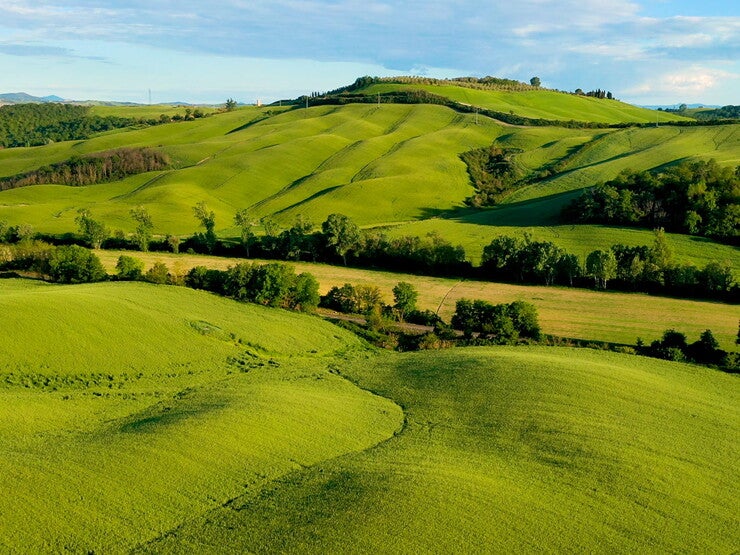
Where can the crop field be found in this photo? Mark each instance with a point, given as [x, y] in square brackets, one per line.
[511, 450]
[157, 404]
[566, 312]
[543, 104]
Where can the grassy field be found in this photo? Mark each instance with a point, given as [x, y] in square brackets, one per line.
[511, 450]
[156, 404]
[543, 104]
[566, 312]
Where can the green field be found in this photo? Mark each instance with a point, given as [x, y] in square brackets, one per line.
[157, 404]
[169, 420]
[544, 104]
[511, 450]
[563, 311]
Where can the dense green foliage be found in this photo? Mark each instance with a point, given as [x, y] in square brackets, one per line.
[700, 198]
[74, 264]
[492, 171]
[501, 323]
[40, 124]
[101, 167]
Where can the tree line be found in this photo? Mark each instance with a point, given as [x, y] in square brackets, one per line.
[339, 240]
[101, 167]
[694, 197]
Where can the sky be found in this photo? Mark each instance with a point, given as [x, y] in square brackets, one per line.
[645, 52]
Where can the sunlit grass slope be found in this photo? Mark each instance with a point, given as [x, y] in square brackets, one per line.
[126, 409]
[545, 104]
[512, 450]
[375, 164]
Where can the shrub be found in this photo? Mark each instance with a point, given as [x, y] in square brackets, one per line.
[129, 268]
[157, 274]
[74, 264]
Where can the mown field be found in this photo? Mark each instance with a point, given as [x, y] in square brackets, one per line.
[511, 450]
[156, 404]
[566, 312]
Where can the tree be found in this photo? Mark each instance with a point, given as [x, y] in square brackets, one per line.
[174, 243]
[535, 81]
[92, 231]
[129, 268]
[244, 223]
[158, 274]
[602, 266]
[304, 295]
[75, 264]
[144, 227]
[230, 104]
[207, 219]
[404, 298]
[342, 234]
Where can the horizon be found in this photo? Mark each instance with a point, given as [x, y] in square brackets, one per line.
[645, 53]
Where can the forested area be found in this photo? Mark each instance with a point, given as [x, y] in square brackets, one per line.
[40, 124]
[492, 172]
[698, 198]
[101, 167]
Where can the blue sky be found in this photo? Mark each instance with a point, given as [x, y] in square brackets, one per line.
[658, 52]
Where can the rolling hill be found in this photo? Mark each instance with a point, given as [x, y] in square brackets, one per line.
[157, 404]
[511, 450]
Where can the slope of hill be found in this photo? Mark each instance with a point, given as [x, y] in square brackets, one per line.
[376, 164]
[157, 404]
[545, 104]
[511, 450]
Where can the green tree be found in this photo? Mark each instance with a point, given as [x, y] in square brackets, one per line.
[602, 266]
[158, 274]
[144, 227]
[207, 219]
[243, 221]
[304, 294]
[405, 296]
[230, 104]
[75, 264]
[535, 81]
[341, 234]
[93, 232]
[129, 268]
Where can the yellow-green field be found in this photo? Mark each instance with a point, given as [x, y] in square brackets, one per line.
[566, 312]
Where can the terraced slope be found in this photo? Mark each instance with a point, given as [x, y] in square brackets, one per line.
[543, 104]
[126, 409]
[512, 450]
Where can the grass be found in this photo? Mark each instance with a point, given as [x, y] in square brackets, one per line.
[566, 312]
[544, 104]
[156, 404]
[511, 450]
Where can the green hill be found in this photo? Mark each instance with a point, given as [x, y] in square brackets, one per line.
[511, 450]
[127, 409]
[544, 104]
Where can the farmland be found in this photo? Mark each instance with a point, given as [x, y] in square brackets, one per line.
[572, 313]
[155, 418]
[512, 449]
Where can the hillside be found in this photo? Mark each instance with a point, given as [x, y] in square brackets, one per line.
[544, 450]
[158, 404]
[544, 104]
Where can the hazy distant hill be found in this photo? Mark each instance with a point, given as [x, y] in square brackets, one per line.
[21, 97]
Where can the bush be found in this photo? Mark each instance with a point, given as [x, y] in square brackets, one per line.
[129, 268]
[157, 274]
[74, 264]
